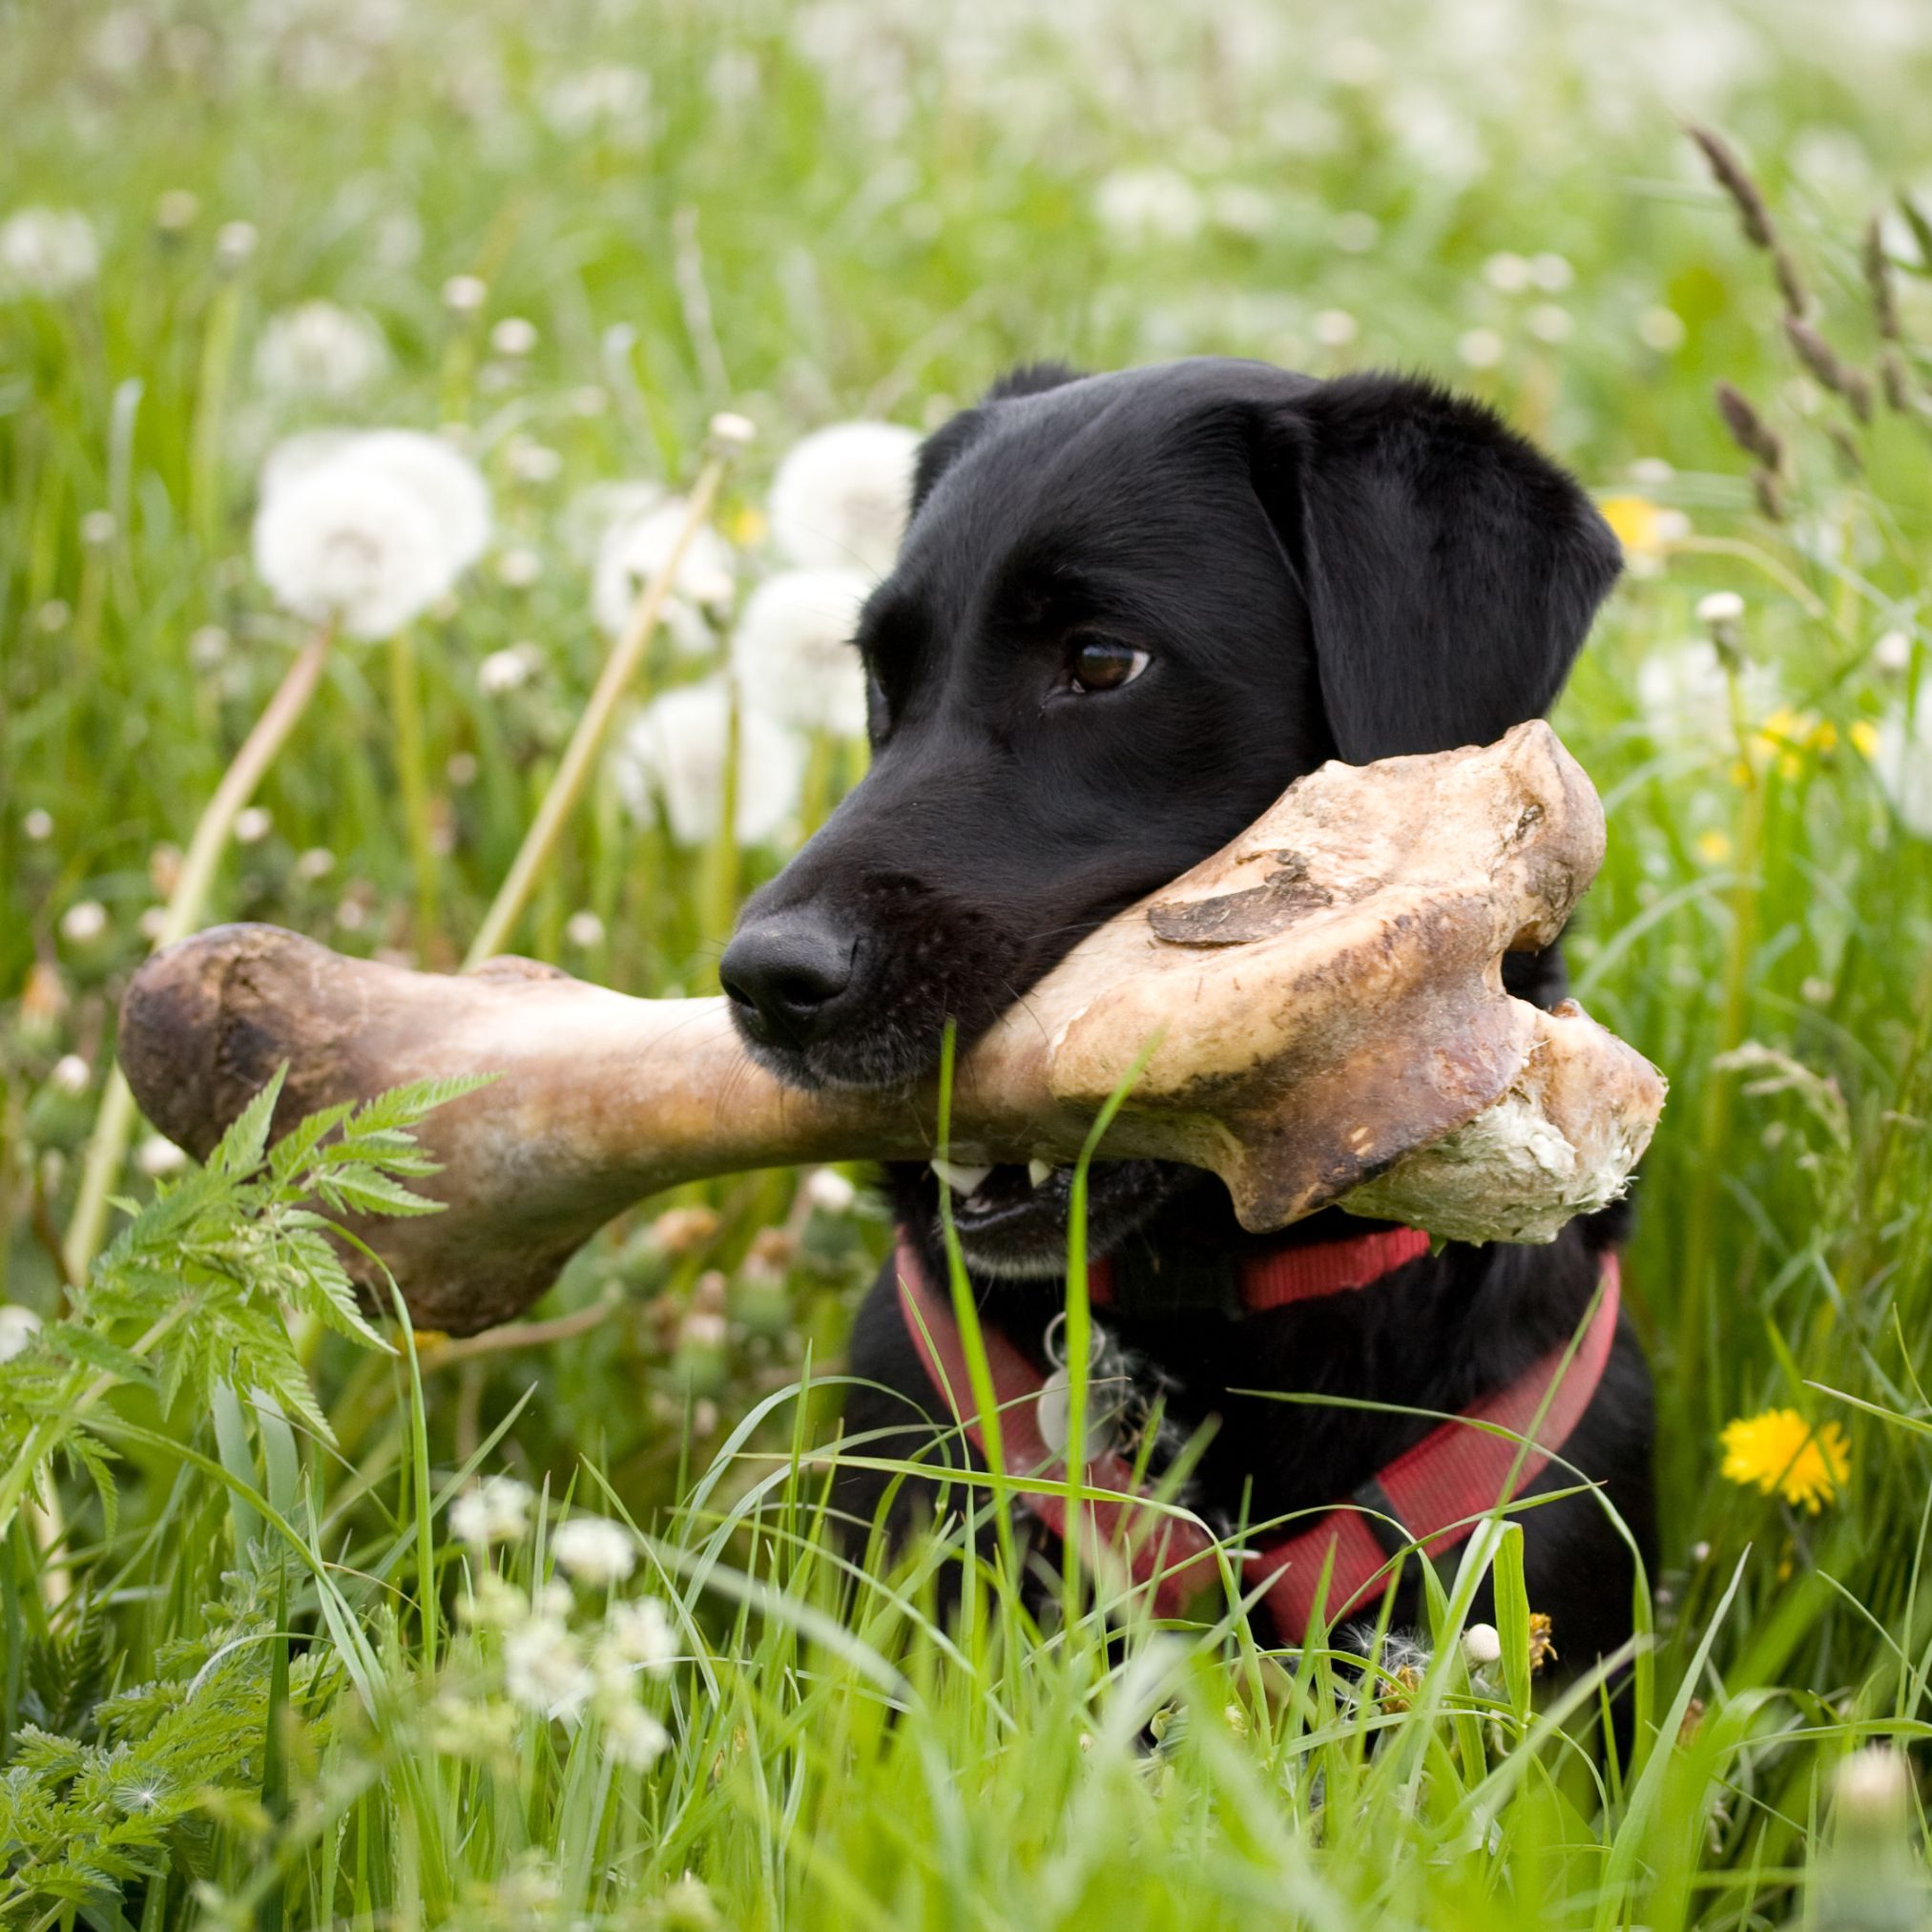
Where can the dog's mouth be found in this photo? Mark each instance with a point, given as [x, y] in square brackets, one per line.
[1012, 1217]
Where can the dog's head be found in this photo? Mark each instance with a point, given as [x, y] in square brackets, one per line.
[1129, 610]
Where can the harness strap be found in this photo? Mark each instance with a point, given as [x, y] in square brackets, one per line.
[1272, 1280]
[1436, 1491]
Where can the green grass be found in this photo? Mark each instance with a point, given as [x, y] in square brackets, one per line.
[249, 1672]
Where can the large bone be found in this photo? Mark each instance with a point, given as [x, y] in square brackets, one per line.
[1321, 999]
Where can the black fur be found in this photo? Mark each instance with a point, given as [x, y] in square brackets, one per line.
[1355, 568]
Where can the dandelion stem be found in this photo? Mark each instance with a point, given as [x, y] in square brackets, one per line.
[404, 702]
[573, 769]
[113, 1125]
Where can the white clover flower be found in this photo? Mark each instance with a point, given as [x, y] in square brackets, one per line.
[72, 1075]
[841, 498]
[18, 1326]
[158, 1157]
[1901, 761]
[544, 1669]
[594, 1551]
[371, 528]
[635, 1738]
[675, 753]
[642, 1633]
[1685, 695]
[830, 1191]
[320, 349]
[610, 100]
[1149, 205]
[635, 547]
[494, 1509]
[84, 922]
[792, 651]
[47, 251]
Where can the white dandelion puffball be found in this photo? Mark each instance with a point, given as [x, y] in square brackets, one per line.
[348, 543]
[47, 251]
[1686, 696]
[495, 1511]
[613, 101]
[370, 528]
[18, 1326]
[1902, 764]
[1150, 204]
[675, 753]
[594, 1549]
[635, 547]
[792, 651]
[634, 1736]
[320, 349]
[448, 482]
[841, 497]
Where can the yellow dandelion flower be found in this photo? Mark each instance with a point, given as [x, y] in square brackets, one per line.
[1646, 529]
[1714, 846]
[1542, 1647]
[1864, 737]
[1779, 1451]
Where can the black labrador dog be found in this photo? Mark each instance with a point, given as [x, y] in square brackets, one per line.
[1129, 610]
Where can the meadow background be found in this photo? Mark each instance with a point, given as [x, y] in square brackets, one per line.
[255, 1673]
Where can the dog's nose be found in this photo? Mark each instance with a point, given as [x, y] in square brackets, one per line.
[784, 973]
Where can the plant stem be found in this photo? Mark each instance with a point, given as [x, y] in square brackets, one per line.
[204, 457]
[113, 1123]
[404, 701]
[575, 767]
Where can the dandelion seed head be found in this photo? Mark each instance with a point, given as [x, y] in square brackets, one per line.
[72, 1075]
[792, 651]
[830, 1192]
[320, 350]
[1482, 1647]
[1140, 205]
[1480, 348]
[175, 209]
[514, 335]
[465, 294]
[315, 865]
[584, 931]
[252, 823]
[641, 1632]
[234, 242]
[38, 825]
[18, 1326]
[841, 497]
[636, 544]
[47, 252]
[675, 753]
[84, 922]
[158, 1157]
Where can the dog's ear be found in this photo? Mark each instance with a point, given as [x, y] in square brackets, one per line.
[946, 443]
[1451, 569]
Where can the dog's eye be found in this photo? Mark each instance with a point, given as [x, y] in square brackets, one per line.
[1106, 663]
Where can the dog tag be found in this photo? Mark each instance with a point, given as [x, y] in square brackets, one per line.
[1052, 1411]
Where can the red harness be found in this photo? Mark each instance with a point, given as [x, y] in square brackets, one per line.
[1432, 1495]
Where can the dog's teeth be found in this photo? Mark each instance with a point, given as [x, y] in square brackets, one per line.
[960, 1176]
[1039, 1171]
